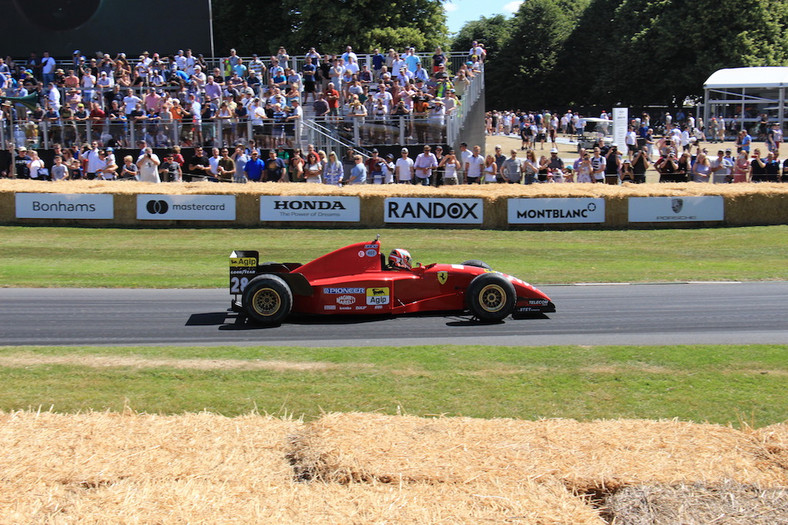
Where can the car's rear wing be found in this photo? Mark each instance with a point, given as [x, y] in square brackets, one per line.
[245, 266]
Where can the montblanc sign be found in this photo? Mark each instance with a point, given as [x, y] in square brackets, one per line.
[551, 211]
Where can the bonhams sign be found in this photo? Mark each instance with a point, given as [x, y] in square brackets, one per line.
[304, 208]
[64, 206]
[433, 211]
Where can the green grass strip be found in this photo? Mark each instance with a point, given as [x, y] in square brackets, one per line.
[197, 258]
[705, 383]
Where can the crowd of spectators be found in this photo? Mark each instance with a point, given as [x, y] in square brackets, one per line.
[181, 100]
[605, 162]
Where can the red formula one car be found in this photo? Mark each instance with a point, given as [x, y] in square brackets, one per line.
[358, 280]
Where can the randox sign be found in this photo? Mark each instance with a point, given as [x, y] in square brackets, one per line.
[186, 207]
[433, 211]
[64, 206]
[310, 208]
[551, 211]
[676, 209]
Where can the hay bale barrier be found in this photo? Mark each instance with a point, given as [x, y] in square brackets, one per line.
[726, 503]
[585, 456]
[744, 204]
[369, 468]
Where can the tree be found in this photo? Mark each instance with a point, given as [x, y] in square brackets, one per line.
[523, 72]
[261, 27]
[492, 32]
[639, 52]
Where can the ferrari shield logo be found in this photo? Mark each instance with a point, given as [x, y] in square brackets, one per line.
[676, 205]
[443, 277]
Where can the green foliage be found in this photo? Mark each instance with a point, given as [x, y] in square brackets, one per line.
[529, 57]
[631, 52]
[261, 27]
[493, 32]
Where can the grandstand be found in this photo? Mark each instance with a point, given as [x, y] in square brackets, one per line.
[385, 102]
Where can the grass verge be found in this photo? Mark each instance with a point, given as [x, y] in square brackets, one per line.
[707, 383]
[197, 258]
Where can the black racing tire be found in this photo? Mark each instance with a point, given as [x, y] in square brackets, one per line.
[491, 297]
[267, 300]
[477, 263]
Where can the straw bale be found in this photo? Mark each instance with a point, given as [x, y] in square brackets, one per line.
[728, 503]
[244, 501]
[586, 456]
[399, 190]
[93, 449]
[774, 439]
[745, 203]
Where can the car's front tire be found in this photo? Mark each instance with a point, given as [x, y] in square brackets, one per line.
[491, 297]
[267, 300]
[477, 263]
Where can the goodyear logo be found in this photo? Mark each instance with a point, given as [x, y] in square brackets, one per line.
[245, 262]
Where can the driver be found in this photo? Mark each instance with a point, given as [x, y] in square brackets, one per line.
[400, 259]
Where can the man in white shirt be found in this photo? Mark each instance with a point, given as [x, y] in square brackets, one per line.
[130, 102]
[423, 166]
[474, 166]
[384, 96]
[403, 168]
[54, 97]
[464, 156]
[95, 162]
[47, 68]
[722, 167]
[348, 54]
[213, 162]
[180, 60]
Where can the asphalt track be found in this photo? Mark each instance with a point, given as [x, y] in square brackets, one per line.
[689, 313]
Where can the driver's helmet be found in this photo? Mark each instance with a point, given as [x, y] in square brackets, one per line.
[400, 258]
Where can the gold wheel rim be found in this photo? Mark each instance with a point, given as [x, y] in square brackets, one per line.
[492, 298]
[266, 301]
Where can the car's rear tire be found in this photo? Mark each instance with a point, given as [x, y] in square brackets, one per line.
[267, 300]
[491, 297]
[477, 263]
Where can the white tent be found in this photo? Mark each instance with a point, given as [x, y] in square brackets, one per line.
[747, 92]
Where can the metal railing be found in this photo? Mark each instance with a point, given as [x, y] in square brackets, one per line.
[125, 133]
[358, 132]
[469, 98]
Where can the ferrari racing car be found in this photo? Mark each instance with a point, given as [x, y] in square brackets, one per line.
[359, 280]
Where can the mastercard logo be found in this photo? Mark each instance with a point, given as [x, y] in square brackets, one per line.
[157, 207]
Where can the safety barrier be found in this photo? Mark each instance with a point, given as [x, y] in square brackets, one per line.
[132, 204]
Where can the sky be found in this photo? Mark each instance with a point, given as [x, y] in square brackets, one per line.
[458, 12]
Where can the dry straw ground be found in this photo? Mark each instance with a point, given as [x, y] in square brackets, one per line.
[369, 468]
